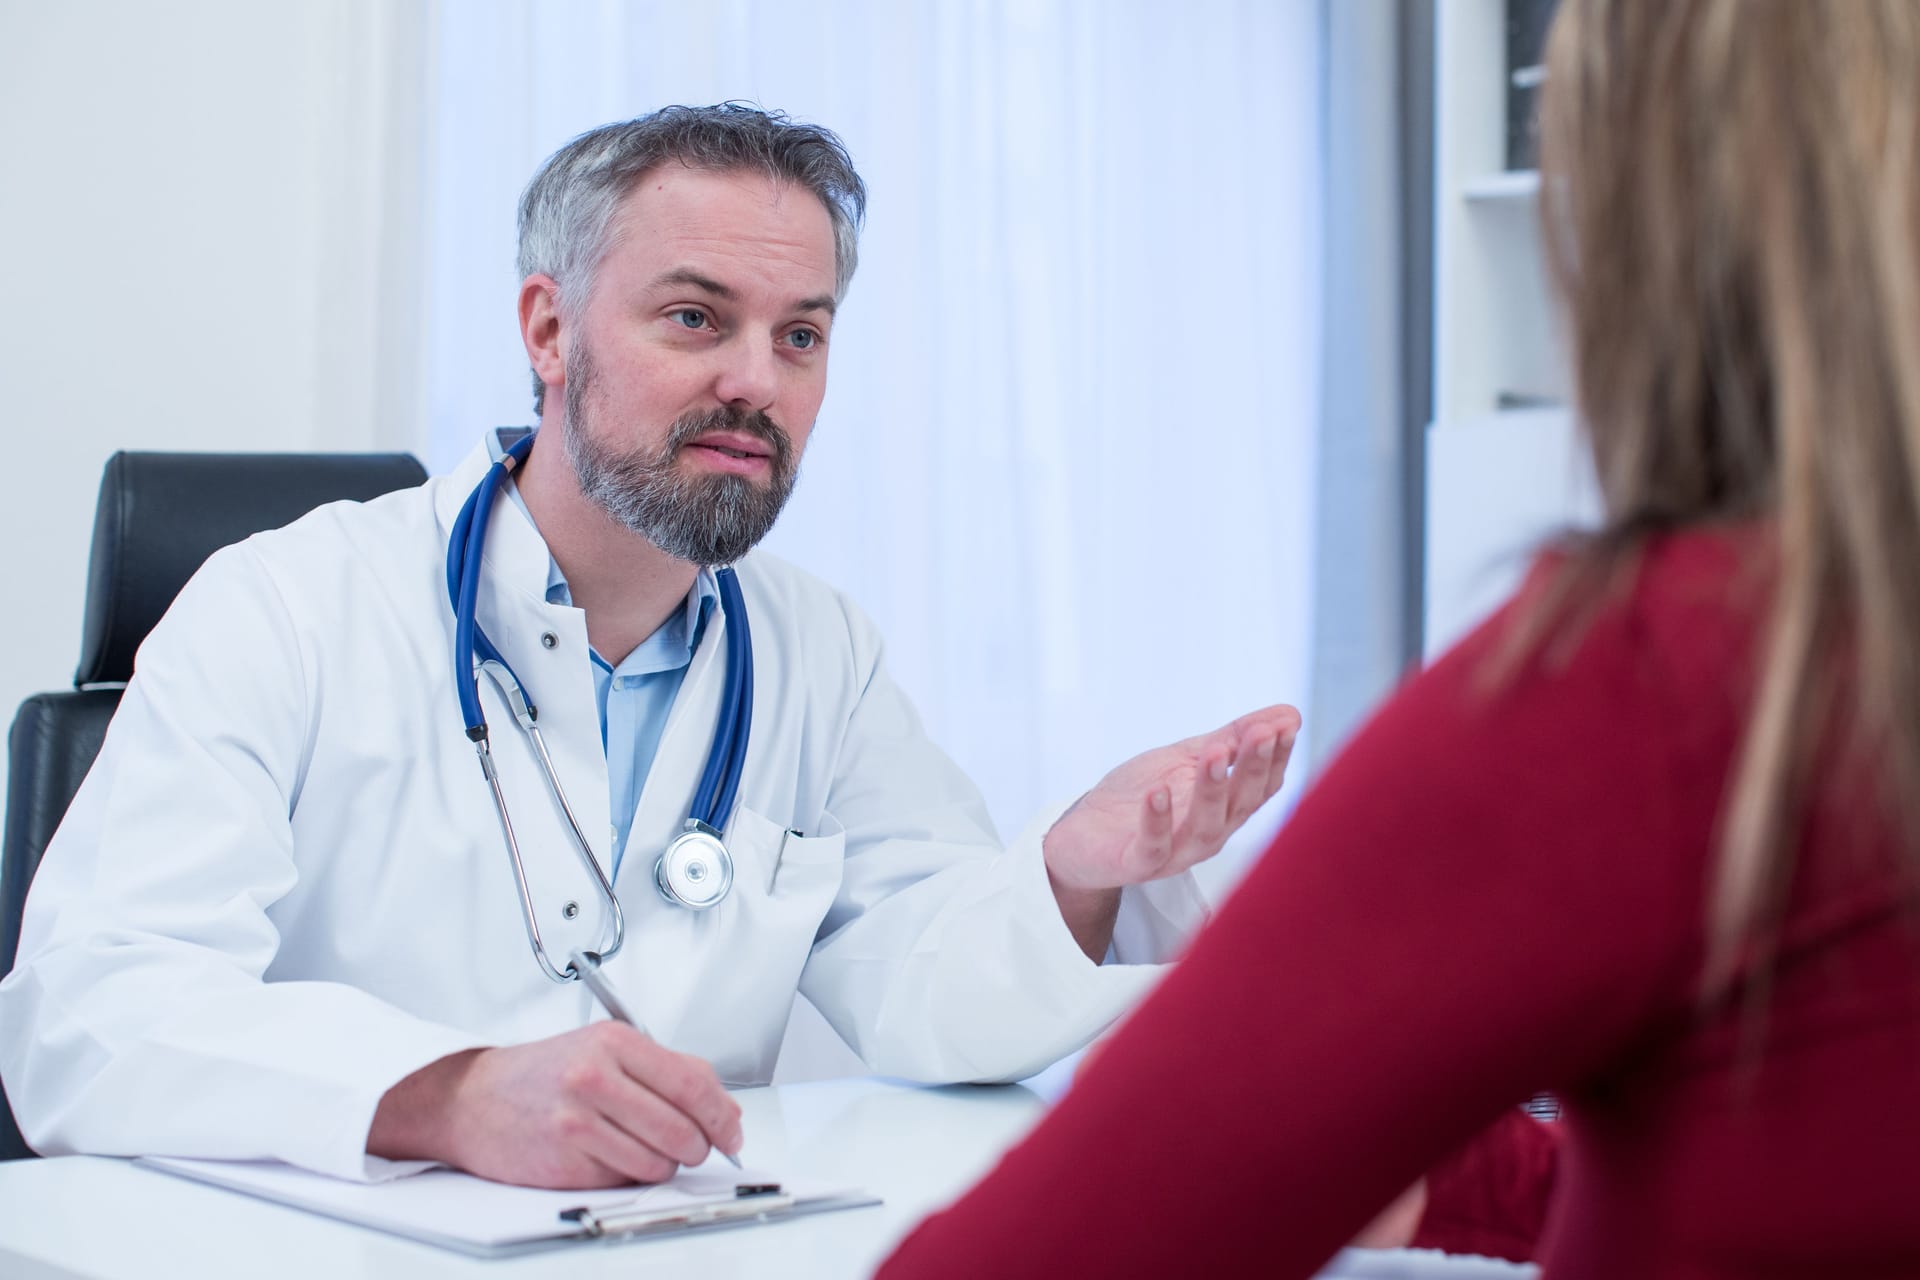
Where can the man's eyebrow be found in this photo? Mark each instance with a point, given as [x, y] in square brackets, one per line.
[688, 276]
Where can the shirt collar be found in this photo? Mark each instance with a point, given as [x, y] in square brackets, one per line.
[702, 598]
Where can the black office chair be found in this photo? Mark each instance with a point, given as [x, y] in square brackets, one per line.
[160, 516]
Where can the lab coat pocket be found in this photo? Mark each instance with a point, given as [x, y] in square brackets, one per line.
[791, 868]
[784, 886]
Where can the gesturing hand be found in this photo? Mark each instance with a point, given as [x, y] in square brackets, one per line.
[602, 1106]
[1163, 811]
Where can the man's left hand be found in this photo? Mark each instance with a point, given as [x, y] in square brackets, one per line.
[1165, 810]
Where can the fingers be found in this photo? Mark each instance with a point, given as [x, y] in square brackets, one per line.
[1276, 721]
[1254, 775]
[1205, 828]
[639, 1110]
[682, 1098]
[1155, 840]
[1279, 720]
[657, 1123]
[1239, 768]
[613, 1155]
[617, 1121]
[1258, 771]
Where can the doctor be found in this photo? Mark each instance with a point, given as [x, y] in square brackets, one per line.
[280, 920]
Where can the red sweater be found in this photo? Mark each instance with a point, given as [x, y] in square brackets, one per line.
[1497, 890]
[1491, 1196]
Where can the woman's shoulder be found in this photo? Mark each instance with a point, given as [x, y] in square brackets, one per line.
[1675, 617]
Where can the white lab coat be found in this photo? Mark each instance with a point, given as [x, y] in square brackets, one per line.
[283, 888]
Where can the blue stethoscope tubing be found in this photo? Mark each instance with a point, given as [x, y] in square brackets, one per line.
[720, 780]
[696, 870]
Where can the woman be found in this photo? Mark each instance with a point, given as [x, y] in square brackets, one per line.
[1648, 838]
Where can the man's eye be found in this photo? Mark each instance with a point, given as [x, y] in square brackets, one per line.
[803, 338]
[691, 317]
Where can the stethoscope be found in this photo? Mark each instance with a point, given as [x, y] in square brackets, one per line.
[696, 870]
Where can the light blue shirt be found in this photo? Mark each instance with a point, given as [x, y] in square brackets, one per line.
[635, 697]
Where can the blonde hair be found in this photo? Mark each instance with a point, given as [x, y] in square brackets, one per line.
[1730, 208]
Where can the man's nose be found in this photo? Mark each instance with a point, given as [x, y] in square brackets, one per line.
[749, 376]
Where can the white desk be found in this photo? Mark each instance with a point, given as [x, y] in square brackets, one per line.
[97, 1219]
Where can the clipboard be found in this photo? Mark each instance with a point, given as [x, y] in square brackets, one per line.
[483, 1219]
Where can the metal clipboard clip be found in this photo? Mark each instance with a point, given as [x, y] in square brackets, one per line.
[619, 1219]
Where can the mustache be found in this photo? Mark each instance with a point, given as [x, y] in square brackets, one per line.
[755, 423]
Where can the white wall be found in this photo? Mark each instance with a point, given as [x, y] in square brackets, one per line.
[192, 198]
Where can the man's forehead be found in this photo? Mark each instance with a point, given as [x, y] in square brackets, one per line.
[685, 213]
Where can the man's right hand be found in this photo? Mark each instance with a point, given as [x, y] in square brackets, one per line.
[602, 1106]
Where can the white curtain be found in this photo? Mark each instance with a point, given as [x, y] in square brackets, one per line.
[1068, 455]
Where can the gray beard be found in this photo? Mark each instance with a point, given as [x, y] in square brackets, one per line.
[704, 520]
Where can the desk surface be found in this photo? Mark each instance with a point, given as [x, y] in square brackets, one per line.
[108, 1219]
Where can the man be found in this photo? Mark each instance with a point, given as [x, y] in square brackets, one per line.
[279, 921]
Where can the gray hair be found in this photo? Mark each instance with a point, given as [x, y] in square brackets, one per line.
[566, 213]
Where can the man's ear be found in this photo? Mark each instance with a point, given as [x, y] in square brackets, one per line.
[540, 329]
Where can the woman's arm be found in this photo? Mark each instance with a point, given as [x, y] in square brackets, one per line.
[1487, 895]
[1491, 1196]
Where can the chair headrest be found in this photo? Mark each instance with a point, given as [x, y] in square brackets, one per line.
[162, 514]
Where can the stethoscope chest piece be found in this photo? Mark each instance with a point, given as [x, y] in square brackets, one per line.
[696, 871]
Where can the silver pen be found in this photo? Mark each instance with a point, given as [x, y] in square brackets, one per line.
[589, 970]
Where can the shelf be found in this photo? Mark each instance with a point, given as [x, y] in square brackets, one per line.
[1513, 185]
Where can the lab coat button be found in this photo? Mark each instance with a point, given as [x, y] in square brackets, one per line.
[549, 640]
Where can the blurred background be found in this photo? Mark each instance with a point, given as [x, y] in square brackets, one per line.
[1169, 320]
